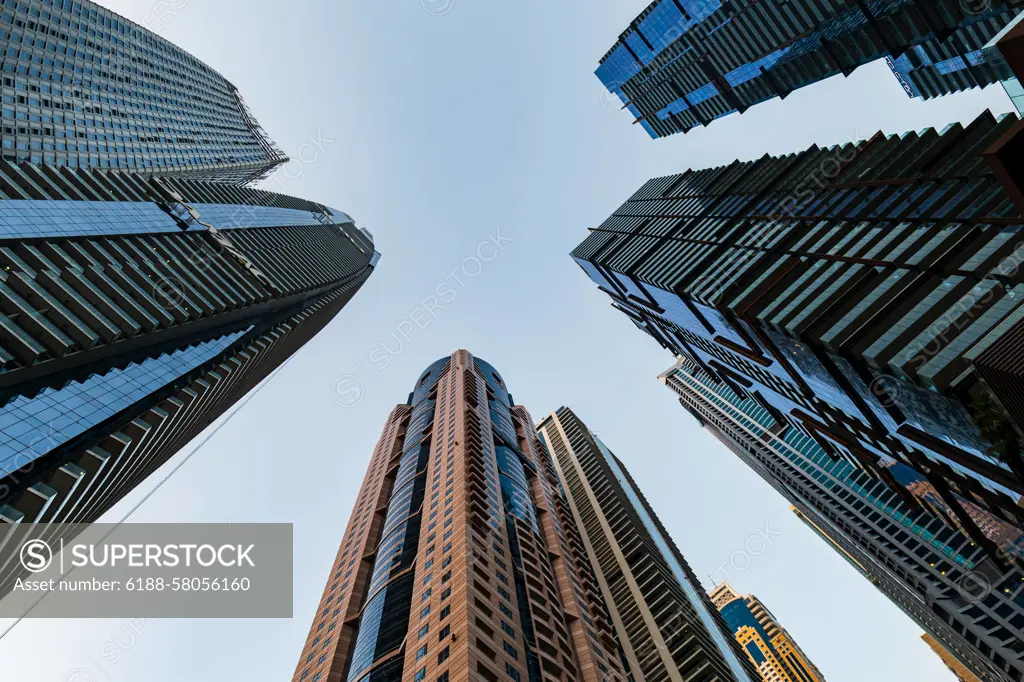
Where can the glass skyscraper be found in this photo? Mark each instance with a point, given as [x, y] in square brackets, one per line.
[85, 88]
[128, 322]
[144, 288]
[685, 63]
[869, 290]
[470, 554]
[967, 599]
[867, 299]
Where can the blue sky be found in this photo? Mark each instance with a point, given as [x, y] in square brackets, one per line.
[442, 125]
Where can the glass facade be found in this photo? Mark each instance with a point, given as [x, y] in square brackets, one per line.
[846, 321]
[684, 63]
[126, 302]
[27, 219]
[144, 286]
[1006, 42]
[31, 427]
[818, 284]
[85, 88]
[912, 555]
[385, 618]
[1015, 92]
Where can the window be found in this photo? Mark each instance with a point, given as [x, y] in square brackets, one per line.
[316, 678]
[424, 630]
[443, 677]
[446, 577]
[446, 562]
[447, 593]
[420, 674]
[425, 611]
[508, 629]
[512, 672]
[421, 652]
[502, 578]
[445, 631]
[511, 650]
[506, 610]
[443, 656]
[426, 595]
[444, 612]
[503, 593]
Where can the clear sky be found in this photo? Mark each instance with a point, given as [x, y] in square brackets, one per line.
[442, 124]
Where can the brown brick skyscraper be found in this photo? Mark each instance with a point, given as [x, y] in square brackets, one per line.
[461, 560]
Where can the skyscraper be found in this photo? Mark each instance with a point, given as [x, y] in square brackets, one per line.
[772, 649]
[85, 88]
[128, 322]
[144, 290]
[667, 627]
[864, 302]
[684, 63]
[969, 600]
[869, 292]
[463, 558]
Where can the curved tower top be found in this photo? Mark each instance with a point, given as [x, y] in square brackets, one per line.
[465, 558]
[86, 88]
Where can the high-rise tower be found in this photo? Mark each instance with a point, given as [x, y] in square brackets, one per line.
[865, 301]
[463, 559]
[667, 626]
[134, 311]
[969, 600]
[771, 648]
[684, 63]
[144, 290]
[85, 88]
[870, 292]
